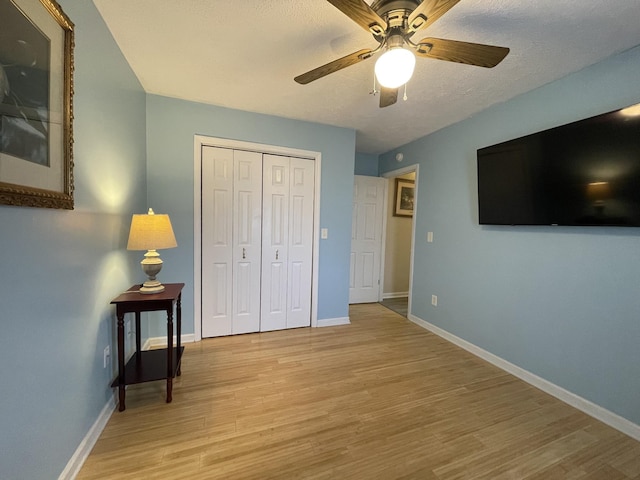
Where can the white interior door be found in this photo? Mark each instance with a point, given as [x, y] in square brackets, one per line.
[366, 239]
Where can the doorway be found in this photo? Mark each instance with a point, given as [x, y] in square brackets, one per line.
[399, 240]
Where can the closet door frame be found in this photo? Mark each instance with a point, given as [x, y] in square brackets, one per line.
[201, 141]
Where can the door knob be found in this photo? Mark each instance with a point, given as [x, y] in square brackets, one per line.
[244, 254]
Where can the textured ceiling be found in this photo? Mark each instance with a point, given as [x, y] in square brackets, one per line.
[244, 55]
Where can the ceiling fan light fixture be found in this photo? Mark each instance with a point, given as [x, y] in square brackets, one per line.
[395, 67]
[632, 111]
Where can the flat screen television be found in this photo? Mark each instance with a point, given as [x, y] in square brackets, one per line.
[582, 173]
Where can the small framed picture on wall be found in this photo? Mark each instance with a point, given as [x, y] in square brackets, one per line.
[404, 196]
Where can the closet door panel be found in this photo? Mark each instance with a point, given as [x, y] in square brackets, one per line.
[247, 248]
[275, 232]
[217, 227]
[300, 248]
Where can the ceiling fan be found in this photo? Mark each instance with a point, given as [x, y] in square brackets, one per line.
[392, 23]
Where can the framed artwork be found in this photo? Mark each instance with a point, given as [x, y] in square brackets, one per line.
[36, 104]
[405, 190]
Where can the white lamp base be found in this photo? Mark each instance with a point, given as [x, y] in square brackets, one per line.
[151, 266]
[151, 287]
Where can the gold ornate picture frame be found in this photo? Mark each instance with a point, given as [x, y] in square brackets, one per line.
[36, 104]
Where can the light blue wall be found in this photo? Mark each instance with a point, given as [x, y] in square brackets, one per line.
[171, 126]
[563, 303]
[60, 269]
[366, 164]
[559, 302]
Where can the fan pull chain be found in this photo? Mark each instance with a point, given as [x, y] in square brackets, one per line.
[405, 92]
[374, 91]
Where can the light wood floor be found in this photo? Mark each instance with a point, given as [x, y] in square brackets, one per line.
[378, 399]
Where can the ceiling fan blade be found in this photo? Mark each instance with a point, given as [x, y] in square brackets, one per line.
[334, 66]
[362, 14]
[388, 96]
[428, 12]
[477, 54]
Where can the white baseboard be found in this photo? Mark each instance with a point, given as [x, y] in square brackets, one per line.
[84, 449]
[332, 322]
[394, 295]
[596, 411]
[154, 342]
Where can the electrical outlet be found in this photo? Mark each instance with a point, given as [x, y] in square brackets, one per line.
[434, 300]
[429, 237]
[129, 330]
[107, 356]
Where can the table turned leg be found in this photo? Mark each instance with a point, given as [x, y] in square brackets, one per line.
[179, 332]
[138, 339]
[121, 378]
[169, 352]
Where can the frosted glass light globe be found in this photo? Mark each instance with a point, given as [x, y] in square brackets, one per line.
[395, 67]
[632, 111]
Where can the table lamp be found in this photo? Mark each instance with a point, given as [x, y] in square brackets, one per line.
[151, 232]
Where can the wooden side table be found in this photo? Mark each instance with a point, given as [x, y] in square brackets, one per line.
[150, 365]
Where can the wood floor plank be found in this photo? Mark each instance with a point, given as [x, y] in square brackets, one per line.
[378, 399]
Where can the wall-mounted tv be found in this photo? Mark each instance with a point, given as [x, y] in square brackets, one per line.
[582, 173]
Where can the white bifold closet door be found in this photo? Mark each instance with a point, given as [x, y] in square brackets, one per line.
[257, 241]
[231, 239]
[287, 237]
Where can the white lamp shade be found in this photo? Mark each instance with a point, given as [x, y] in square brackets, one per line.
[151, 232]
[395, 67]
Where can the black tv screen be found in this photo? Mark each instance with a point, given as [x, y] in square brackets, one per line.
[583, 173]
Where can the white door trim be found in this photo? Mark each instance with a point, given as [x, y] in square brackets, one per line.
[396, 173]
[198, 142]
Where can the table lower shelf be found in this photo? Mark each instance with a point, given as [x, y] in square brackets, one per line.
[149, 365]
